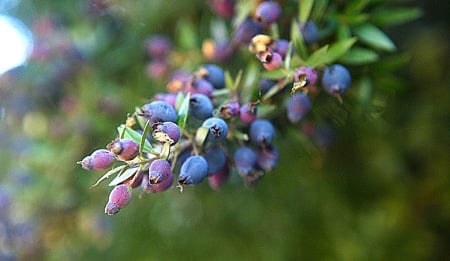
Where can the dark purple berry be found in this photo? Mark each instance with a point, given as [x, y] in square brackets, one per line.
[267, 158]
[262, 132]
[336, 79]
[218, 129]
[158, 46]
[297, 107]
[267, 12]
[159, 111]
[118, 198]
[308, 72]
[200, 107]
[266, 84]
[158, 171]
[280, 46]
[213, 74]
[310, 32]
[229, 109]
[166, 132]
[193, 170]
[199, 85]
[216, 158]
[245, 31]
[124, 149]
[244, 160]
[247, 112]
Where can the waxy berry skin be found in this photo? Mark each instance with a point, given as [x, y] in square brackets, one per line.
[297, 107]
[118, 198]
[159, 111]
[267, 158]
[124, 149]
[309, 72]
[166, 132]
[200, 106]
[216, 159]
[262, 132]
[193, 170]
[310, 32]
[267, 12]
[213, 74]
[336, 79]
[248, 113]
[245, 31]
[218, 129]
[244, 160]
[164, 185]
[158, 171]
[100, 159]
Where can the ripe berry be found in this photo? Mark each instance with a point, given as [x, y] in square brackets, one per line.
[244, 160]
[124, 149]
[267, 158]
[199, 85]
[218, 129]
[166, 132]
[158, 171]
[118, 198]
[310, 32]
[217, 179]
[266, 84]
[336, 79]
[262, 132]
[200, 107]
[248, 112]
[100, 159]
[267, 12]
[193, 170]
[213, 74]
[229, 109]
[273, 61]
[216, 158]
[158, 46]
[245, 31]
[280, 46]
[297, 107]
[165, 184]
[159, 111]
[309, 73]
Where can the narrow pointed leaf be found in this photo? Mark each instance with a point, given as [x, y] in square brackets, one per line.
[183, 112]
[128, 173]
[337, 50]
[110, 173]
[358, 56]
[374, 37]
[305, 7]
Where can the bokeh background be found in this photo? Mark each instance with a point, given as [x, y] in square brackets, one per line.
[373, 186]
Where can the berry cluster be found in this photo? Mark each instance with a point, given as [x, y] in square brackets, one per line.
[206, 126]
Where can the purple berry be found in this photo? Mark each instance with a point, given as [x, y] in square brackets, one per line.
[200, 107]
[267, 12]
[246, 30]
[193, 170]
[273, 61]
[336, 79]
[216, 158]
[170, 98]
[159, 111]
[213, 74]
[297, 107]
[280, 46]
[118, 198]
[244, 160]
[166, 132]
[308, 72]
[217, 179]
[229, 109]
[199, 85]
[223, 8]
[102, 159]
[158, 46]
[248, 112]
[262, 132]
[148, 187]
[267, 158]
[158, 171]
[157, 69]
[218, 129]
[310, 32]
[124, 149]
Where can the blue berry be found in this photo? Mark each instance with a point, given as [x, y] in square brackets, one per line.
[159, 111]
[262, 132]
[310, 32]
[218, 129]
[267, 12]
[200, 107]
[297, 107]
[214, 74]
[336, 79]
[216, 158]
[166, 132]
[244, 160]
[193, 170]
[280, 46]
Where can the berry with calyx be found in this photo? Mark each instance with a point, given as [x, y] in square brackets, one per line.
[158, 171]
[244, 160]
[124, 149]
[166, 132]
[100, 159]
[213, 74]
[273, 61]
[267, 12]
[297, 107]
[247, 112]
[336, 79]
[193, 170]
[158, 111]
[229, 109]
[262, 132]
[308, 73]
[217, 129]
[118, 198]
[199, 85]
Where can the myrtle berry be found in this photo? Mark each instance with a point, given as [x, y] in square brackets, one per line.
[262, 132]
[193, 170]
[266, 84]
[216, 158]
[170, 98]
[217, 179]
[213, 74]
[229, 109]
[118, 198]
[298, 106]
[158, 171]
[267, 12]
[124, 149]
[246, 30]
[148, 187]
[199, 85]
[244, 160]
[200, 106]
[247, 112]
[280, 46]
[223, 8]
[267, 158]
[273, 61]
[100, 159]
[157, 69]
[166, 132]
[158, 111]
[217, 51]
[336, 79]
[308, 72]
[218, 129]
[310, 32]
[158, 46]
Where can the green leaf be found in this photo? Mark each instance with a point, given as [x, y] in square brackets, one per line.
[124, 175]
[297, 41]
[200, 135]
[183, 112]
[358, 56]
[275, 74]
[337, 50]
[374, 37]
[319, 9]
[129, 133]
[228, 80]
[318, 57]
[187, 34]
[144, 137]
[356, 6]
[115, 170]
[305, 7]
[395, 16]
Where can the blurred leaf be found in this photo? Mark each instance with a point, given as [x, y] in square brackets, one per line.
[187, 35]
[275, 74]
[374, 37]
[337, 50]
[244, 9]
[297, 41]
[115, 170]
[129, 133]
[122, 176]
[228, 80]
[356, 6]
[318, 10]
[318, 57]
[200, 135]
[358, 55]
[395, 16]
[183, 112]
[305, 7]
[343, 32]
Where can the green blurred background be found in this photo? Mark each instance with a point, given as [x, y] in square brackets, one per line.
[379, 191]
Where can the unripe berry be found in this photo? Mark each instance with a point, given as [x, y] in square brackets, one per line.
[100, 159]
[118, 198]
[336, 79]
[165, 184]
[193, 170]
[124, 149]
[273, 61]
[244, 160]
[166, 132]
[170, 98]
[158, 171]
[157, 68]
[297, 107]
[262, 132]
[308, 72]
[267, 12]
[218, 129]
[159, 111]
[199, 85]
